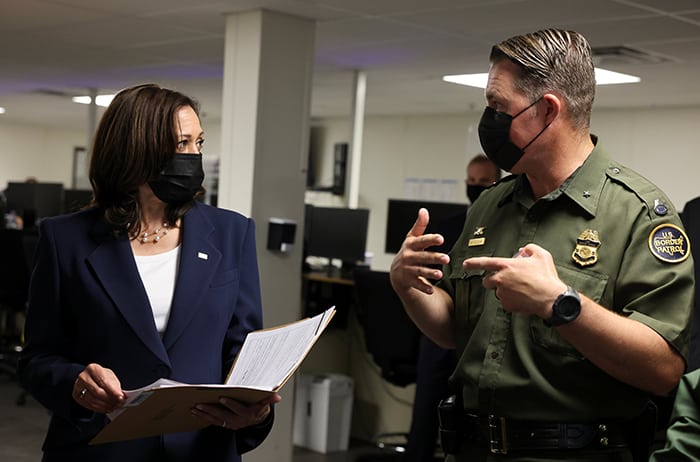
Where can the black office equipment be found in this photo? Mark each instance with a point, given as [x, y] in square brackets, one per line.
[391, 338]
[34, 200]
[16, 248]
[402, 214]
[75, 199]
[340, 159]
[336, 233]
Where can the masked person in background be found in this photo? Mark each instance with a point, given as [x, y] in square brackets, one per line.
[146, 283]
[481, 174]
[568, 294]
[436, 364]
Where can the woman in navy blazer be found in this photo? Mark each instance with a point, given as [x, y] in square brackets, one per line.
[147, 283]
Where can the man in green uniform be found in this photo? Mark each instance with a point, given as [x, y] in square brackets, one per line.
[568, 294]
[683, 434]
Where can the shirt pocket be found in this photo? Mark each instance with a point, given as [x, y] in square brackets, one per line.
[589, 283]
[469, 292]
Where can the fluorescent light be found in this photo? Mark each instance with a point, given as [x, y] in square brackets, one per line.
[606, 77]
[471, 80]
[602, 77]
[100, 100]
[2, 110]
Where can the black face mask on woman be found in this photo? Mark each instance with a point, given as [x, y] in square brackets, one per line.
[180, 180]
[494, 135]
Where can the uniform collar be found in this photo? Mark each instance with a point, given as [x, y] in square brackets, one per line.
[583, 186]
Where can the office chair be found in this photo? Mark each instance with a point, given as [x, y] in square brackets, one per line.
[391, 338]
[14, 286]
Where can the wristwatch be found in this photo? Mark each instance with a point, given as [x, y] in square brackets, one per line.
[566, 308]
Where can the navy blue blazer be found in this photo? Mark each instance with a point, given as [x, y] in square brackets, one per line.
[87, 304]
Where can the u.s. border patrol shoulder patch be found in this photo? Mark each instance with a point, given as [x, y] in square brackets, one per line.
[669, 243]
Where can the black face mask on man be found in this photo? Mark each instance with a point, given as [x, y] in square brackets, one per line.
[494, 135]
[474, 191]
[180, 180]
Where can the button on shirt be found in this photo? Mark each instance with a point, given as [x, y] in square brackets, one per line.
[512, 364]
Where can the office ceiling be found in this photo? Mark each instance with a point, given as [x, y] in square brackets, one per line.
[53, 49]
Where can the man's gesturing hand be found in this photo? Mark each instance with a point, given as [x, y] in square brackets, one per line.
[411, 265]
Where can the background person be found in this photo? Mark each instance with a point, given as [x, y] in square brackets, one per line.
[147, 283]
[481, 174]
[568, 294]
[683, 433]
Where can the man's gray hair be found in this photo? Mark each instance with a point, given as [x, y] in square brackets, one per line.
[553, 60]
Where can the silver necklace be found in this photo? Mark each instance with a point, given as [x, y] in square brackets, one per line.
[152, 236]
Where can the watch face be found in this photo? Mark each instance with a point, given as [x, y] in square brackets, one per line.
[568, 306]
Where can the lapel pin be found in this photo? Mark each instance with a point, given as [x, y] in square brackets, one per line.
[203, 255]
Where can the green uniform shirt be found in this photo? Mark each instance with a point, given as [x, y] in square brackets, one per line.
[683, 433]
[614, 237]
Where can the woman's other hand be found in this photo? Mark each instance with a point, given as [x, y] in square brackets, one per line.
[98, 389]
[235, 415]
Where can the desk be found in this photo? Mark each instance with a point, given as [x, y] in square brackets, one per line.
[332, 278]
[321, 290]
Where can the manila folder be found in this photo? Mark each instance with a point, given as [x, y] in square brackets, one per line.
[267, 359]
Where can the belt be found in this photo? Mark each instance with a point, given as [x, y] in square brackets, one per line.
[503, 434]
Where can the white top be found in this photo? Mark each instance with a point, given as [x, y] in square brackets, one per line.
[158, 274]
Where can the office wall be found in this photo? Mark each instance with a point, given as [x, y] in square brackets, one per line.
[47, 153]
[44, 153]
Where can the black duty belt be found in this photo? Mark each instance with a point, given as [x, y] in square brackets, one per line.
[502, 434]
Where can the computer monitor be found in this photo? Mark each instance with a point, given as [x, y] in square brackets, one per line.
[402, 214]
[336, 233]
[76, 199]
[34, 200]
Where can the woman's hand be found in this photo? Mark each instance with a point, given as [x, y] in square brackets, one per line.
[235, 415]
[98, 389]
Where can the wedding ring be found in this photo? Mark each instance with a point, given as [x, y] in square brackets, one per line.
[82, 393]
[223, 425]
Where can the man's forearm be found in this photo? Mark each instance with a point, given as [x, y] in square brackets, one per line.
[432, 313]
[624, 348]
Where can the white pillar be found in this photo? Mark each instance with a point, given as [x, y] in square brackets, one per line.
[92, 120]
[358, 120]
[265, 129]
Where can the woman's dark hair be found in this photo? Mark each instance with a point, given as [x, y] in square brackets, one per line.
[135, 140]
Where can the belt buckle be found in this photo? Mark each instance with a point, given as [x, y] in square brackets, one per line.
[498, 441]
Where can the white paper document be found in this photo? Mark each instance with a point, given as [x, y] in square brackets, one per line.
[267, 359]
[269, 356]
